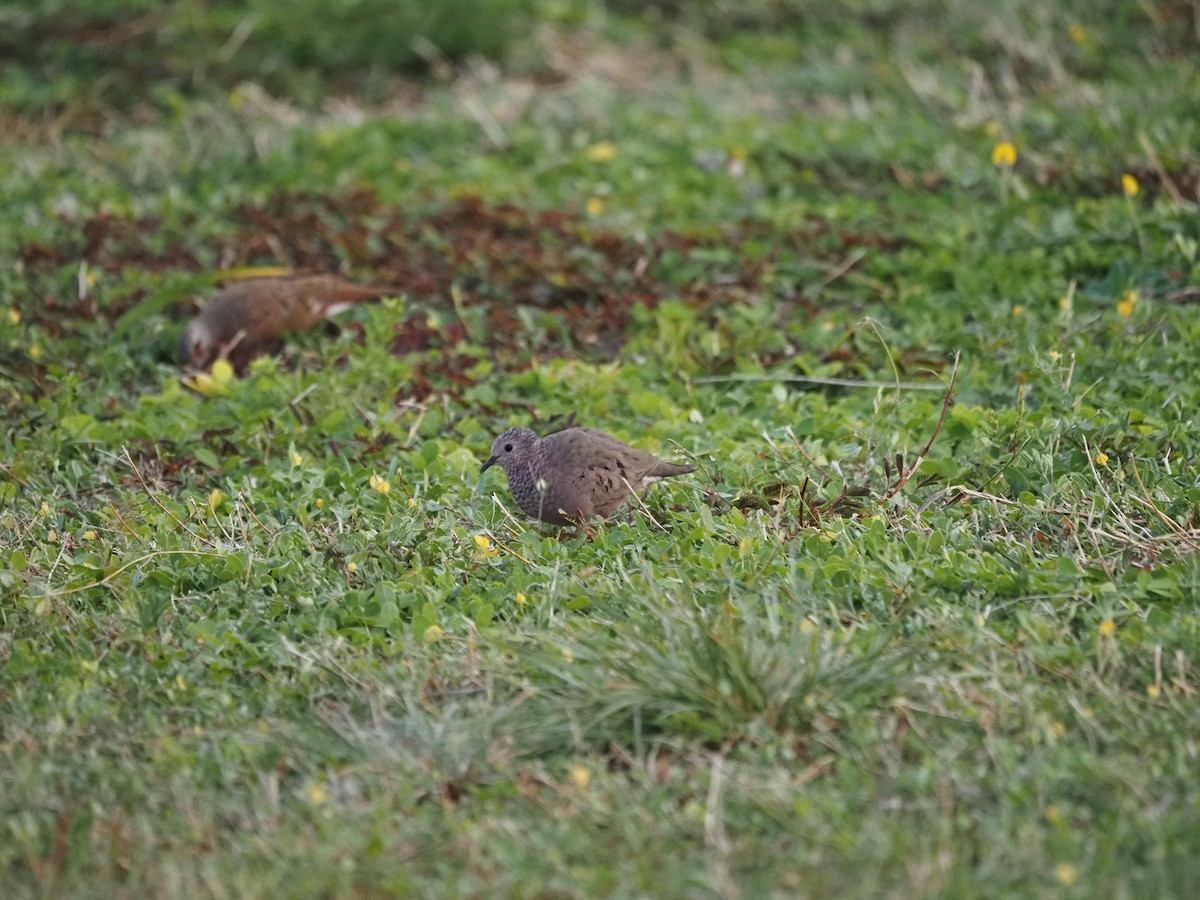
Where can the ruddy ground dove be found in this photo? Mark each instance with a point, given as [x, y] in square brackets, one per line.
[250, 318]
[575, 474]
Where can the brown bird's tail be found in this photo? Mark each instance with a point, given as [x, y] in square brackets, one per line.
[670, 469]
[337, 296]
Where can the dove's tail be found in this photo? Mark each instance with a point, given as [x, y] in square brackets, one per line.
[670, 469]
[340, 297]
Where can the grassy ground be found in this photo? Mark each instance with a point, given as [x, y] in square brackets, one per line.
[890, 640]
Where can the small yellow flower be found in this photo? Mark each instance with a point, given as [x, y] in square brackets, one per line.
[1018, 309]
[1054, 355]
[317, 794]
[202, 383]
[45, 510]
[581, 776]
[603, 152]
[89, 535]
[595, 206]
[1107, 627]
[214, 383]
[352, 567]
[1053, 816]
[1130, 185]
[1004, 155]
[485, 546]
[320, 503]
[1065, 304]
[35, 352]
[412, 501]
[14, 316]
[1127, 303]
[52, 537]
[222, 371]
[1077, 34]
[1100, 459]
[1057, 730]
[297, 459]
[380, 484]
[521, 598]
[1066, 873]
[1152, 691]
[433, 634]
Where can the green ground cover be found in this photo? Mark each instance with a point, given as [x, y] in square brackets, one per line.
[281, 639]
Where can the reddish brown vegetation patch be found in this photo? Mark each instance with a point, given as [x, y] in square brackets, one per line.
[503, 257]
[581, 283]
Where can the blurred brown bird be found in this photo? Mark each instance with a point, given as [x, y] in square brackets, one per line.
[250, 318]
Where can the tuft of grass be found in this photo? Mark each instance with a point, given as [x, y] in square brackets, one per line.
[721, 673]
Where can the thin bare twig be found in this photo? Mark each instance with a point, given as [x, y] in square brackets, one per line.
[133, 562]
[816, 379]
[836, 272]
[1171, 524]
[958, 491]
[638, 500]
[507, 549]
[905, 474]
[124, 524]
[1114, 509]
[812, 462]
[159, 503]
[1168, 185]
[491, 535]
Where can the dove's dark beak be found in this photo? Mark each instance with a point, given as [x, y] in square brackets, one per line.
[488, 463]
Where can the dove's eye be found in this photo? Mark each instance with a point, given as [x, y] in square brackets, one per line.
[508, 448]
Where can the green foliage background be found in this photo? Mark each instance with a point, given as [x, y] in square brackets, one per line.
[756, 236]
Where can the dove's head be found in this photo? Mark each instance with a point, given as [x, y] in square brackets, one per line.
[198, 345]
[511, 448]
